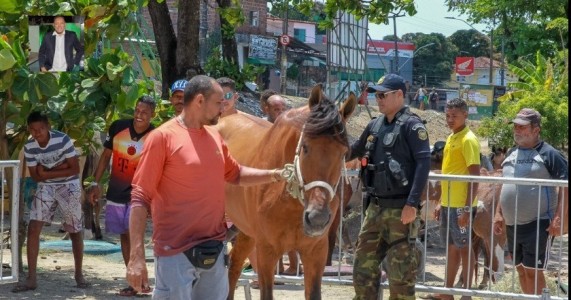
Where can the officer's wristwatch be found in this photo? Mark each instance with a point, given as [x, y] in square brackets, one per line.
[467, 209]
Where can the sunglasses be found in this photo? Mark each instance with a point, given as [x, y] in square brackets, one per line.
[228, 95]
[382, 96]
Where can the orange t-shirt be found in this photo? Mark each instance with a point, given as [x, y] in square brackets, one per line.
[181, 177]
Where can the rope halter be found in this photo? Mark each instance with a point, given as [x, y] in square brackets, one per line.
[295, 185]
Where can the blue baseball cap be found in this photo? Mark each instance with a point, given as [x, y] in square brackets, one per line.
[179, 85]
[389, 82]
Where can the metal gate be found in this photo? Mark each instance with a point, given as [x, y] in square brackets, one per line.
[425, 286]
[10, 189]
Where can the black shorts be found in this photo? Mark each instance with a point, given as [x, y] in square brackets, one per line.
[527, 252]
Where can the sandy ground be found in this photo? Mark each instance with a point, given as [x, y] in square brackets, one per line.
[106, 273]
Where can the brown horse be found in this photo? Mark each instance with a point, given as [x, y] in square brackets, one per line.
[314, 139]
[482, 240]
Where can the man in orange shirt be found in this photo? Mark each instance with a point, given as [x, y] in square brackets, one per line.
[180, 178]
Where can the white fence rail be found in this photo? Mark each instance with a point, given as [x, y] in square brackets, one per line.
[9, 221]
[425, 286]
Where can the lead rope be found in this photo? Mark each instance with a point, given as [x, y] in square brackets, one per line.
[294, 179]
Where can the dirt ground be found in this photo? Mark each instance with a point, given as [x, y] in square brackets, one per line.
[106, 273]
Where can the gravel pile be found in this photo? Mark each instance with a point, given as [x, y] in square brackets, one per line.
[435, 121]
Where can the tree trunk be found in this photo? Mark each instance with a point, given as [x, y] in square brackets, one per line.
[166, 43]
[229, 46]
[188, 50]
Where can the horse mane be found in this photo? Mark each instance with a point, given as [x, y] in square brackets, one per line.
[324, 120]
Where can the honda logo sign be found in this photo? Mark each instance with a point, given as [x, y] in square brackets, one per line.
[464, 66]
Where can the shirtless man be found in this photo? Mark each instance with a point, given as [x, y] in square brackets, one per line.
[230, 96]
[274, 107]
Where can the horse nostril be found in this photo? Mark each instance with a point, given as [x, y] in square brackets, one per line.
[317, 218]
[307, 220]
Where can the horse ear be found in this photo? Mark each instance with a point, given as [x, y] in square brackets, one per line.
[348, 106]
[315, 96]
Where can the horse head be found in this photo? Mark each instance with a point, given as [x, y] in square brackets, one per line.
[320, 159]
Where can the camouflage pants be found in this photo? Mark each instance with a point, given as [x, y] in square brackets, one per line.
[380, 229]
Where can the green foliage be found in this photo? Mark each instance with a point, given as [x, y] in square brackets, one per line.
[436, 61]
[217, 67]
[234, 17]
[471, 41]
[80, 103]
[293, 71]
[543, 86]
[514, 21]
[376, 10]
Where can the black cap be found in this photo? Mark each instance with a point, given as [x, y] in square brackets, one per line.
[438, 147]
[389, 82]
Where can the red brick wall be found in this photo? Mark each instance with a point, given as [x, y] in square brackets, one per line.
[247, 6]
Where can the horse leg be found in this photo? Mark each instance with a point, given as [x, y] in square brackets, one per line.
[293, 264]
[241, 247]
[267, 257]
[332, 237]
[313, 259]
[476, 246]
[486, 276]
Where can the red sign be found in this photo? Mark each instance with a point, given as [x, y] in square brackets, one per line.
[464, 66]
[284, 39]
[387, 48]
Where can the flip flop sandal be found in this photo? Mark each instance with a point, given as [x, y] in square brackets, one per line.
[127, 292]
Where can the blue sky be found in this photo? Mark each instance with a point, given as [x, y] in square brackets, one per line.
[429, 18]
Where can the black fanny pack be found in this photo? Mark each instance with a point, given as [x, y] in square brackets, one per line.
[204, 255]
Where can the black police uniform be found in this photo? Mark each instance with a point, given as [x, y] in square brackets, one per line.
[395, 174]
[411, 149]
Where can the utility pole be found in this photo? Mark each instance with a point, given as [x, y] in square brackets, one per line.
[283, 72]
[492, 53]
[396, 65]
[502, 70]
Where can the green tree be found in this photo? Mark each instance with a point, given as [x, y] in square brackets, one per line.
[543, 86]
[514, 21]
[435, 61]
[471, 43]
[377, 11]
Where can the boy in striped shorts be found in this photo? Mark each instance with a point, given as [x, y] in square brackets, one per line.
[54, 165]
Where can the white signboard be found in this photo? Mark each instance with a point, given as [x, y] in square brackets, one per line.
[347, 43]
[263, 47]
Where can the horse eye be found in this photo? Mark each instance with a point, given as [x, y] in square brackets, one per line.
[304, 147]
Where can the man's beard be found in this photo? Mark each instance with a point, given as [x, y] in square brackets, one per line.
[523, 139]
[214, 120]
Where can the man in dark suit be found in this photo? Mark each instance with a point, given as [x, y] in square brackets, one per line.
[56, 51]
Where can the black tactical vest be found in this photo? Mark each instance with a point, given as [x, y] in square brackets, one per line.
[390, 166]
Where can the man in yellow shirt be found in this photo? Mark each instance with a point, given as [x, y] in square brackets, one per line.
[458, 200]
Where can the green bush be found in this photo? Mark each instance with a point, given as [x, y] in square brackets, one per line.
[217, 67]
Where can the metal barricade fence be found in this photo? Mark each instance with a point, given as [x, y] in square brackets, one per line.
[431, 286]
[9, 225]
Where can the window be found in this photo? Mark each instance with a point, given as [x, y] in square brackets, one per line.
[254, 18]
[299, 33]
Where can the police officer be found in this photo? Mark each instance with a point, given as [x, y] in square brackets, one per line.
[395, 154]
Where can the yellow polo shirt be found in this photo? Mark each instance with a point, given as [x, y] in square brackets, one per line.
[462, 150]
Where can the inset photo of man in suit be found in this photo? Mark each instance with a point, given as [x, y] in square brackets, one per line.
[60, 49]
